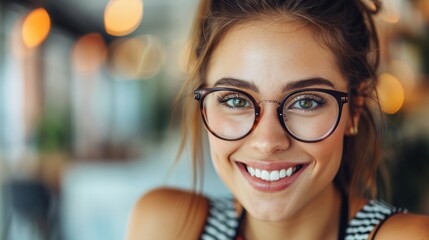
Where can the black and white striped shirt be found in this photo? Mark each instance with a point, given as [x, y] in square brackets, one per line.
[222, 222]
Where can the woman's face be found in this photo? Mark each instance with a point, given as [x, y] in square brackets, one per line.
[270, 58]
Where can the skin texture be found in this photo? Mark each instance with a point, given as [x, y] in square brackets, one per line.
[270, 56]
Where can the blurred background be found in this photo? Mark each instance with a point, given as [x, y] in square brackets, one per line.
[86, 93]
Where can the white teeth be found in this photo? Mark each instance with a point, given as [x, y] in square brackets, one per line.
[282, 173]
[251, 171]
[289, 172]
[257, 173]
[274, 176]
[271, 175]
[265, 175]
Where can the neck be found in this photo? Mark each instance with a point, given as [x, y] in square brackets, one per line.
[322, 214]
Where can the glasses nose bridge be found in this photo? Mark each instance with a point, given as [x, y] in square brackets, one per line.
[269, 101]
[278, 103]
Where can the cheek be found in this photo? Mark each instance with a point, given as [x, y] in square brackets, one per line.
[332, 151]
[328, 153]
[220, 151]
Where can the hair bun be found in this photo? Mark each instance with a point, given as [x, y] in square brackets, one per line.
[372, 6]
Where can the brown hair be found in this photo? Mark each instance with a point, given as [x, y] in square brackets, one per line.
[343, 26]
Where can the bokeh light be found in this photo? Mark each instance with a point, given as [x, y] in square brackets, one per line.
[121, 17]
[404, 72]
[36, 27]
[390, 92]
[138, 58]
[423, 5]
[89, 53]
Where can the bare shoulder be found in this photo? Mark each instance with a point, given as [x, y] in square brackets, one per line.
[405, 226]
[168, 213]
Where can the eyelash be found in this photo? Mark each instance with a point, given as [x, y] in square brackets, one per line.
[228, 96]
[318, 99]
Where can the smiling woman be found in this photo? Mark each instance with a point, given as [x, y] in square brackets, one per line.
[284, 90]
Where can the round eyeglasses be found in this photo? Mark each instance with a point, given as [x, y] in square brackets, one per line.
[308, 115]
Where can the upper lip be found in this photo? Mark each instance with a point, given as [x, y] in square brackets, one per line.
[271, 165]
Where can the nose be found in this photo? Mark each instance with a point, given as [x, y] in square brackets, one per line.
[269, 137]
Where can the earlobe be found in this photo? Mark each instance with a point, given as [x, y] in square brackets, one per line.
[353, 131]
[353, 125]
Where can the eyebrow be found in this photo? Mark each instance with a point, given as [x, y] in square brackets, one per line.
[298, 84]
[308, 82]
[234, 82]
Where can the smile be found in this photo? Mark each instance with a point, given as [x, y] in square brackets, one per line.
[271, 176]
[274, 175]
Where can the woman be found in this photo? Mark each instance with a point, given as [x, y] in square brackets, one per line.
[285, 90]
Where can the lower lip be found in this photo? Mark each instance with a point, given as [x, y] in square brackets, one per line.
[266, 186]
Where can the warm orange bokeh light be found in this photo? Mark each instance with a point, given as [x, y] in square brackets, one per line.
[122, 17]
[390, 92]
[405, 73]
[138, 58]
[36, 27]
[89, 53]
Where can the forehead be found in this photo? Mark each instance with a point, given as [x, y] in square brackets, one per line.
[270, 53]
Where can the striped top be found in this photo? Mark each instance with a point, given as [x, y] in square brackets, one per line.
[222, 222]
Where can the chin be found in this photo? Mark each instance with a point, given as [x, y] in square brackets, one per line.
[274, 216]
[270, 211]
